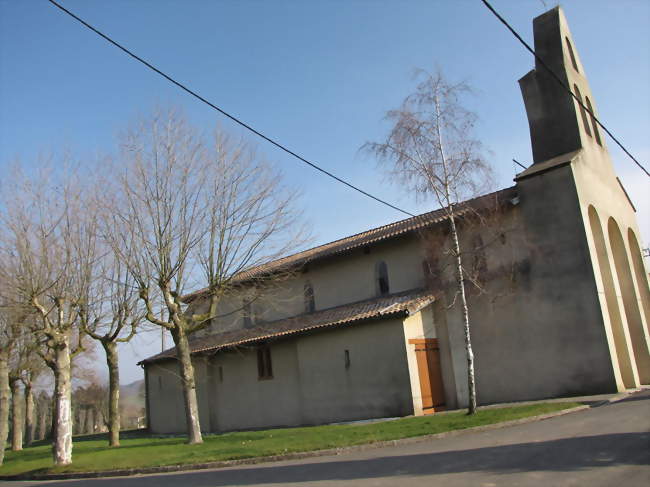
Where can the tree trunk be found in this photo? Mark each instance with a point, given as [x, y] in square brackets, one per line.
[16, 417]
[62, 440]
[29, 414]
[189, 386]
[89, 420]
[43, 414]
[77, 422]
[113, 393]
[4, 402]
[53, 420]
[460, 281]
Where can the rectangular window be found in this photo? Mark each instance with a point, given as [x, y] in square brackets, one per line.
[264, 366]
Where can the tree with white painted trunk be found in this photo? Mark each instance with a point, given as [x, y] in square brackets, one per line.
[47, 256]
[10, 331]
[431, 151]
[190, 211]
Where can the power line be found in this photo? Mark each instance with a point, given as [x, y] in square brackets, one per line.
[559, 80]
[223, 112]
[519, 164]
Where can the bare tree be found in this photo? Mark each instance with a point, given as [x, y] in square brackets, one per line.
[5, 349]
[190, 209]
[43, 407]
[114, 319]
[48, 253]
[430, 150]
[33, 368]
[91, 407]
[17, 417]
[10, 330]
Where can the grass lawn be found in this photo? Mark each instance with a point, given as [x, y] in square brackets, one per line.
[93, 454]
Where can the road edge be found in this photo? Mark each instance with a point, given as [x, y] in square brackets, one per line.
[301, 455]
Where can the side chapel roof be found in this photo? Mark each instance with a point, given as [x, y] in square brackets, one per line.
[400, 304]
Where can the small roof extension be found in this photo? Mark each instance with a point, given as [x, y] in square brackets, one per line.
[400, 304]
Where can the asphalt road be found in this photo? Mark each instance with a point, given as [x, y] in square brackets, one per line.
[603, 446]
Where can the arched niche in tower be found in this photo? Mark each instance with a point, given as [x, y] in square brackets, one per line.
[625, 362]
[630, 301]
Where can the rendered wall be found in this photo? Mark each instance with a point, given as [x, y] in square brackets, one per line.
[536, 323]
[310, 384]
[165, 398]
[336, 281]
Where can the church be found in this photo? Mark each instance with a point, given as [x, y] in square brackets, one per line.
[365, 327]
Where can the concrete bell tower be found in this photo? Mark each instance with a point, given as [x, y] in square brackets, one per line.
[581, 220]
[558, 125]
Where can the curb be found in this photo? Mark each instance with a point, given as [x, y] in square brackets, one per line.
[299, 455]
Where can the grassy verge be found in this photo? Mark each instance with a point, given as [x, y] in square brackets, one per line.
[94, 455]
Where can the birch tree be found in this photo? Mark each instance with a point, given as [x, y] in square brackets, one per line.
[47, 257]
[431, 151]
[193, 211]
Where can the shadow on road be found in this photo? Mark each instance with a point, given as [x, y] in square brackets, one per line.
[564, 455]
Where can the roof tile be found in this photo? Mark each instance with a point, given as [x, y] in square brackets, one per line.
[407, 302]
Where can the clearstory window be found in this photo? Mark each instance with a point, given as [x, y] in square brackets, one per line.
[247, 314]
[381, 276]
[264, 365]
[310, 303]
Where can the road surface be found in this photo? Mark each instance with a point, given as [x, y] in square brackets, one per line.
[603, 446]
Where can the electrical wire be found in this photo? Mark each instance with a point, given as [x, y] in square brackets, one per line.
[226, 114]
[559, 80]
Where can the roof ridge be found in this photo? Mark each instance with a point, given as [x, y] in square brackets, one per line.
[424, 218]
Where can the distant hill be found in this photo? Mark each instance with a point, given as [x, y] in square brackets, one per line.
[132, 403]
[133, 389]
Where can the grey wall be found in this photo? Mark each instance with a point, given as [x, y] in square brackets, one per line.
[545, 336]
[336, 281]
[310, 384]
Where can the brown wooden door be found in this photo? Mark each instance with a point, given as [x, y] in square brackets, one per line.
[428, 358]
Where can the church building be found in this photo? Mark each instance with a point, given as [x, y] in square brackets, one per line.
[365, 327]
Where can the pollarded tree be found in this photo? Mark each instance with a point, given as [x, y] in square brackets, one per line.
[189, 209]
[32, 370]
[112, 316]
[10, 331]
[431, 151]
[47, 257]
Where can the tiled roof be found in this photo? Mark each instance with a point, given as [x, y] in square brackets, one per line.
[402, 303]
[364, 238]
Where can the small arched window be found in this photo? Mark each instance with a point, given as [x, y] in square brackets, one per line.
[583, 112]
[594, 124]
[381, 278]
[571, 54]
[310, 302]
[247, 314]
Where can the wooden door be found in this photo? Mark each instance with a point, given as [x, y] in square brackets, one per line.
[428, 359]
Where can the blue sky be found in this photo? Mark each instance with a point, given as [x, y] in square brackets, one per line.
[318, 76]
